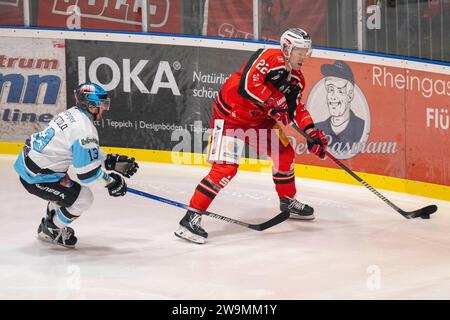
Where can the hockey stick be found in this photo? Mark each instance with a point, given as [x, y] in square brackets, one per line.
[424, 213]
[258, 227]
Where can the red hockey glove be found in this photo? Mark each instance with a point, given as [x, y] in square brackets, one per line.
[320, 143]
[279, 108]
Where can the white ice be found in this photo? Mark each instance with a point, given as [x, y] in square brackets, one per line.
[357, 248]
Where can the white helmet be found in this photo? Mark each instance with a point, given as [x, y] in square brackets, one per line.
[295, 38]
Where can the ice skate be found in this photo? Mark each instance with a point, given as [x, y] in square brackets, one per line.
[297, 209]
[190, 228]
[49, 232]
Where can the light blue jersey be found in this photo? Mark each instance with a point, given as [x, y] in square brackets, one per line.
[70, 139]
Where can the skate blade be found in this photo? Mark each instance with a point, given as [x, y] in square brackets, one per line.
[299, 217]
[185, 234]
[42, 236]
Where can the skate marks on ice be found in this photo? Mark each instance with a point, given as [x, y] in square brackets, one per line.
[127, 249]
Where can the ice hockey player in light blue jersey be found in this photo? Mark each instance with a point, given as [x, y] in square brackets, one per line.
[71, 139]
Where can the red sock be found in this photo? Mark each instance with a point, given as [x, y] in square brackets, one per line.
[285, 184]
[217, 178]
[284, 176]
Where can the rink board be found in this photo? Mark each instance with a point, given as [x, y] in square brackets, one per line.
[162, 87]
[303, 171]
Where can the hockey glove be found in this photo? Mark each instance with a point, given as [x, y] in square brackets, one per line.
[118, 187]
[121, 164]
[279, 108]
[320, 143]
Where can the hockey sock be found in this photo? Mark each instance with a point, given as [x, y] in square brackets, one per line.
[63, 217]
[210, 186]
[285, 184]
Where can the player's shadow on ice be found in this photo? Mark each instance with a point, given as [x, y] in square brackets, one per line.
[260, 216]
[86, 247]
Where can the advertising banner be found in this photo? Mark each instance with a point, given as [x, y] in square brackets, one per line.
[427, 109]
[161, 95]
[11, 12]
[32, 85]
[163, 16]
[234, 18]
[378, 119]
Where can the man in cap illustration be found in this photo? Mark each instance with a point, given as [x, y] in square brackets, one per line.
[343, 126]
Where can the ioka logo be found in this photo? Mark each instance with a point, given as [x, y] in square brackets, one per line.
[32, 83]
[128, 73]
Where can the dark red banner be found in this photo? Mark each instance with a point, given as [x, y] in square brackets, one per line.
[234, 18]
[11, 12]
[126, 15]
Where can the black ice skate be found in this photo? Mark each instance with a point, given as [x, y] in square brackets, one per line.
[49, 232]
[190, 228]
[297, 209]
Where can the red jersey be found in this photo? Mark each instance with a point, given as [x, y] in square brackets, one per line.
[242, 99]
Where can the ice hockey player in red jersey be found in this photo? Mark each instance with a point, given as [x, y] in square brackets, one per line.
[266, 91]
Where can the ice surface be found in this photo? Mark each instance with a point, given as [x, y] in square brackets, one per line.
[357, 247]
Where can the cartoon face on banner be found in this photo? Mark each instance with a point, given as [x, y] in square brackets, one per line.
[340, 109]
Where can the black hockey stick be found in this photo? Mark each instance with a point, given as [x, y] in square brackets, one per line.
[424, 213]
[259, 227]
